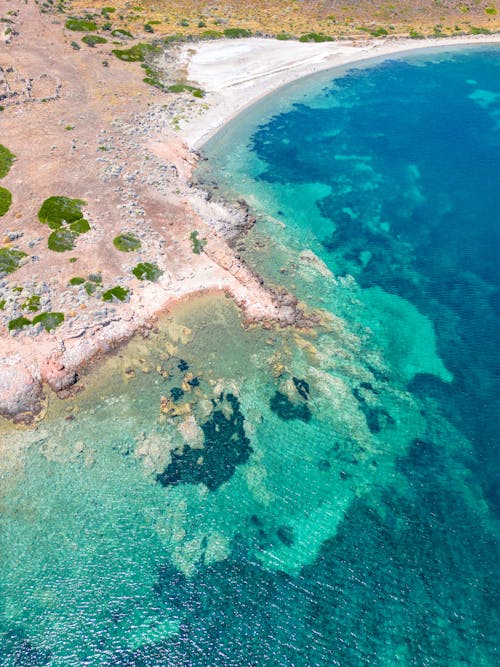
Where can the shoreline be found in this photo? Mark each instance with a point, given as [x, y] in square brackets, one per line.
[263, 66]
[135, 118]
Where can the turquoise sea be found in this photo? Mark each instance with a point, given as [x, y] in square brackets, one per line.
[322, 497]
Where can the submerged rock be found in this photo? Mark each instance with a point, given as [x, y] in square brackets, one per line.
[287, 410]
[225, 445]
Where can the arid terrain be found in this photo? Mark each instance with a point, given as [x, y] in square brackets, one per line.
[91, 114]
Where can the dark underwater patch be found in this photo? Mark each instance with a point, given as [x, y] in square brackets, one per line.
[225, 447]
[302, 387]
[286, 410]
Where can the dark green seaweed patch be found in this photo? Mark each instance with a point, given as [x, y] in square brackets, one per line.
[376, 418]
[55, 211]
[147, 271]
[49, 320]
[62, 240]
[286, 410]
[302, 387]
[81, 25]
[127, 242]
[5, 201]
[10, 260]
[225, 447]
[116, 294]
[6, 160]
[285, 534]
[18, 323]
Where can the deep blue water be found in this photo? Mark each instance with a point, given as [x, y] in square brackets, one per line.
[325, 497]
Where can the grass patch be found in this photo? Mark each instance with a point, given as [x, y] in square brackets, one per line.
[5, 201]
[127, 243]
[475, 30]
[81, 25]
[55, 211]
[184, 88]
[237, 33]
[50, 321]
[116, 294]
[18, 323]
[6, 160]
[62, 240]
[197, 244]
[147, 271]
[10, 259]
[93, 40]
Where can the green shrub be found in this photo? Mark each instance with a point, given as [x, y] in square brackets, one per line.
[127, 242]
[80, 226]
[414, 34]
[116, 294]
[379, 32]
[148, 27]
[95, 278]
[147, 271]
[492, 11]
[10, 259]
[5, 201]
[6, 160]
[211, 34]
[18, 323]
[32, 303]
[315, 37]
[76, 281]
[282, 36]
[81, 25]
[62, 240]
[55, 211]
[2, 303]
[120, 32]
[136, 53]
[92, 40]
[184, 88]
[474, 30]
[49, 320]
[197, 244]
[237, 33]
[108, 10]
[76, 46]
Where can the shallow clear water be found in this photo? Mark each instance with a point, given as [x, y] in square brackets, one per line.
[321, 497]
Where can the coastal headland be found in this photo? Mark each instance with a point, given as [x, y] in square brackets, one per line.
[102, 227]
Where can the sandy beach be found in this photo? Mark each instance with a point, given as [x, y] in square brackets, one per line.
[96, 132]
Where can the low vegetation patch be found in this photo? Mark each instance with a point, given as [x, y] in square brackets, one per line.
[237, 33]
[211, 34]
[18, 323]
[5, 201]
[147, 271]
[81, 226]
[197, 244]
[6, 160]
[56, 211]
[10, 260]
[136, 53]
[81, 25]
[32, 303]
[315, 37]
[50, 321]
[121, 32]
[62, 240]
[76, 281]
[127, 243]
[185, 88]
[116, 294]
[93, 40]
